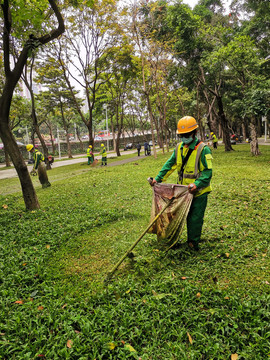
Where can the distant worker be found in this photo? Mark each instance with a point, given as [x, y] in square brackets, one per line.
[149, 149]
[138, 146]
[90, 155]
[214, 139]
[103, 153]
[193, 161]
[146, 145]
[39, 167]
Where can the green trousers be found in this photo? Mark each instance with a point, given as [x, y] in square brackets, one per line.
[195, 218]
[90, 160]
[104, 160]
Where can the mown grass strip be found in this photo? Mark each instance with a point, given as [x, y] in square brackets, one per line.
[54, 261]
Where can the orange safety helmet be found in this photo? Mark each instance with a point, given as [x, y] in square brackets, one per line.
[186, 125]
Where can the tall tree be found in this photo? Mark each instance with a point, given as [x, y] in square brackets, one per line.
[91, 36]
[22, 10]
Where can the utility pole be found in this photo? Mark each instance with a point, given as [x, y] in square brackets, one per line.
[107, 128]
[75, 130]
[264, 119]
[27, 141]
[58, 141]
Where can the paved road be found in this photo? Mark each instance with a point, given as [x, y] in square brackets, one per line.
[10, 173]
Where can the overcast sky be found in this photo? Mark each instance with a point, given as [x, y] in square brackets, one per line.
[192, 3]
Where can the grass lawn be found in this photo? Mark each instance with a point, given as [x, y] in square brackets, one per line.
[214, 304]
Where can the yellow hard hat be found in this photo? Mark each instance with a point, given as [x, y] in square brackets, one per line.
[90, 146]
[102, 145]
[212, 133]
[29, 147]
[186, 125]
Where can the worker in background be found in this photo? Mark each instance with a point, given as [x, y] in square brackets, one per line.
[138, 146]
[39, 167]
[214, 140]
[193, 161]
[103, 153]
[146, 145]
[90, 155]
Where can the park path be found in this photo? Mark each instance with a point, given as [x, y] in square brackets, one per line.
[11, 173]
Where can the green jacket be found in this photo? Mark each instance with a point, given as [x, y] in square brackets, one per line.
[89, 152]
[38, 157]
[214, 138]
[205, 166]
[103, 152]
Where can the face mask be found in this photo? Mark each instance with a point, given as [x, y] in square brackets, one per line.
[187, 141]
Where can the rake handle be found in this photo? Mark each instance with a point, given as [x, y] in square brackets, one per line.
[110, 274]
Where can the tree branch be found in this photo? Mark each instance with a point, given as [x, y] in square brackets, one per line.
[56, 32]
[6, 32]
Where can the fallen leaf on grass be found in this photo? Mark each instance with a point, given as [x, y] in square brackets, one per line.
[111, 345]
[34, 293]
[234, 357]
[40, 307]
[159, 296]
[69, 344]
[48, 247]
[20, 302]
[189, 338]
[183, 277]
[198, 295]
[4, 206]
[129, 347]
[227, 255]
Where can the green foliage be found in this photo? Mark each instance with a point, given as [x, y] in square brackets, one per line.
[181, 305]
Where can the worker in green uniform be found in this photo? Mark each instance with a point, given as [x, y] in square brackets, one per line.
[39, 167]
[193, 161]
[103, 153]
[90, 155]
[214, 139]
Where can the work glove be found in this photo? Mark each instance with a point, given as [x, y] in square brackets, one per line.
[33, 173]
[192, 188]
[152, 181]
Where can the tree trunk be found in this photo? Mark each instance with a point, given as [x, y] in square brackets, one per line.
[37, 131]
[224, 125]
[44, 147]
[254, 146]
[12, 78]
[7, 160]
[244, 130]
[51, 136]
[28, 190]
[151, 122]
[117, 144]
